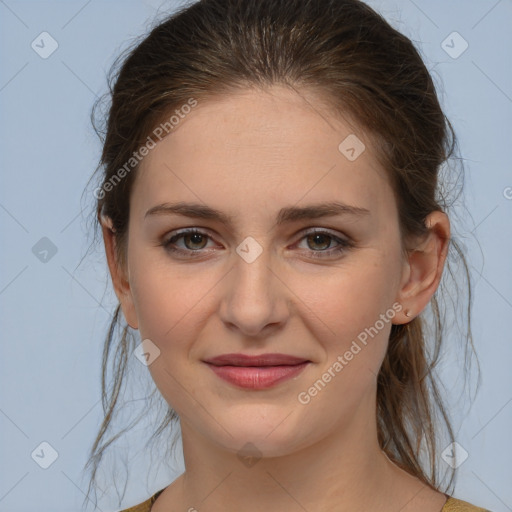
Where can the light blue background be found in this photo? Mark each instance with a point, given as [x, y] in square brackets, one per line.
[54, 315]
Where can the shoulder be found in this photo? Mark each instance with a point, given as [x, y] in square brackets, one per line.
[145, 506]
[455, 505]
[451, 505]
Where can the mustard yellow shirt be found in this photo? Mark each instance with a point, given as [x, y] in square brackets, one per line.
[451, 505]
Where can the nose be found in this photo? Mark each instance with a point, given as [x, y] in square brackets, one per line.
[255, 298]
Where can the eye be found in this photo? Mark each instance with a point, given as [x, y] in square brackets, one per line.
[195, 241]
[323, 240]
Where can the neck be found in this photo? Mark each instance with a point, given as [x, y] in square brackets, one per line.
[344, 470]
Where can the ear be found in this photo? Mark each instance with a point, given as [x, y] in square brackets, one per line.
[423, 268]
[117, 273]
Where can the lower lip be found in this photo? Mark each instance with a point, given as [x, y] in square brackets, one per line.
[257, 377]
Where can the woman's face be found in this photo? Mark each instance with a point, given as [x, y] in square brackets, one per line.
[256, 280]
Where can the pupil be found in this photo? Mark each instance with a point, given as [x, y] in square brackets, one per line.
[319, 236]
[195, 237]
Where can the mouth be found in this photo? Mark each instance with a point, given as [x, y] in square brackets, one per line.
[260, 360]
[256, 372]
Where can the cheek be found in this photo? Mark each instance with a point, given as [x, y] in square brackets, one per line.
[348, 300]
[169, 306]
[169, 298]
[164, 304]
[351, 316]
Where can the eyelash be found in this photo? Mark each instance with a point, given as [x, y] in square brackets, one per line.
[344, 245]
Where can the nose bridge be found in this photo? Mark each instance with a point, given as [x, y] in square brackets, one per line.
[251, 299]
[253, 270]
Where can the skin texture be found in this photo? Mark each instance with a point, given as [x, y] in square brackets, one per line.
[250, 154]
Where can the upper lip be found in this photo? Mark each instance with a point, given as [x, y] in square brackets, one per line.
[260, 360]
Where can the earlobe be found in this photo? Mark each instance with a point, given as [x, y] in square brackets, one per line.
[424, 266]
[119, 281]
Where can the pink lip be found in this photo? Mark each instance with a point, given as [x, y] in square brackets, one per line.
[256, 372]
[260, 360]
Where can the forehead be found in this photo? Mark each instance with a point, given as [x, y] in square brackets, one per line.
[262, 149]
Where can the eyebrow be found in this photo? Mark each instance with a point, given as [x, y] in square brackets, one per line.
[287, 214]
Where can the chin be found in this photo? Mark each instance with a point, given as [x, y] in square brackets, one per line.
[259, 446]
[270, 431]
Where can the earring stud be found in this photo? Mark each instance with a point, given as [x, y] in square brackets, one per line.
[408, 314]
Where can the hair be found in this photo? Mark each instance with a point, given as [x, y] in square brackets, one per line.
[365, 70]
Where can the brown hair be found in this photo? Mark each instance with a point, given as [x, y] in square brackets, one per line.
[363, 68]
